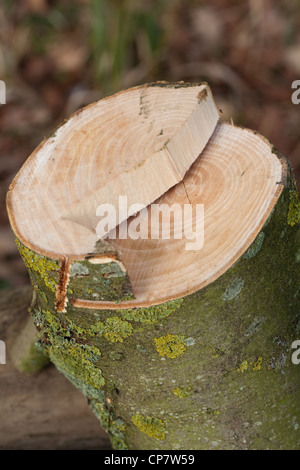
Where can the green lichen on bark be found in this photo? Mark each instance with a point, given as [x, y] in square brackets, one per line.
[117, 329]
[114, 426]
[77, 355]
[113, 328]
[45, 269]
[250, 365]
[76, 358]
[99, 281]
[171, 346]
[182, 392]
[151, 314]
[153, 427]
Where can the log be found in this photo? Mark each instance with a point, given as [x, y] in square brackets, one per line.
[179, 340]
[27, 354]
[39, 410]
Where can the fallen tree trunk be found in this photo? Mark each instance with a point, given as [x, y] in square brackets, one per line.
[174, 348]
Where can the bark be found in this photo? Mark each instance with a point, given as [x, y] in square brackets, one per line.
[211, 370]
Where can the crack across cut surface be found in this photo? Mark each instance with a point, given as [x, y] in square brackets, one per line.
[235, 206]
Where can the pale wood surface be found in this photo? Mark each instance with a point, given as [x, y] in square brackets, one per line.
[137, 143]
[237, 178]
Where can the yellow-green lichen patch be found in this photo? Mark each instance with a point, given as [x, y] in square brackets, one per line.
[39, 264]
[79, 360]
[48, 323]
[182, 392]
[245, 365]
[41, 293]
[211, 411]
[77, 330]
[151, 314]
[153, 427]
[116, 329]
[170, 345]
[258, 363]
[293, 216]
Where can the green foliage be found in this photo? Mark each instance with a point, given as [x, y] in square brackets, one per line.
[123, 34]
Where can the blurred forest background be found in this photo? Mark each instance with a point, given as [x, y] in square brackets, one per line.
[57, 56]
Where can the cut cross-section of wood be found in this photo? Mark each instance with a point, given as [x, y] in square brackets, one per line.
[137, 143]
[237, 181]
[154, 134]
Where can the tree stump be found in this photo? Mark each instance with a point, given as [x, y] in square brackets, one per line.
[179, 339]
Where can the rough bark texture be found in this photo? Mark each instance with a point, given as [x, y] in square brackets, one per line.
[212, 370]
